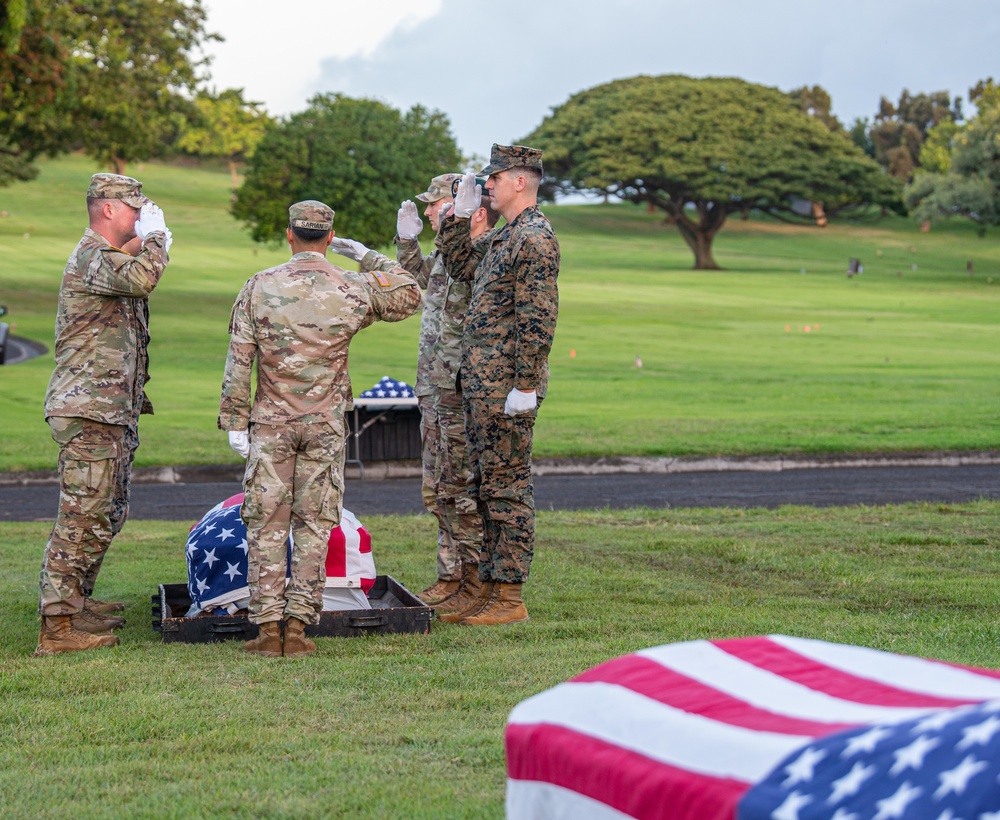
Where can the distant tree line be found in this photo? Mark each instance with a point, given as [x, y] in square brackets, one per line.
[126, 82]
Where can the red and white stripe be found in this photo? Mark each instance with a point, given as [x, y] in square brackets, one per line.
[684, 730]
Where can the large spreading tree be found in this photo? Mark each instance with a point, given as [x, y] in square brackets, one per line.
[702, 149]
[138, 65]
[360, 156]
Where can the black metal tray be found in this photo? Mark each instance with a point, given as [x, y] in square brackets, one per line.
[394, 609]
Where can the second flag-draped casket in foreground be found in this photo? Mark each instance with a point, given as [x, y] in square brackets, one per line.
[771, 727]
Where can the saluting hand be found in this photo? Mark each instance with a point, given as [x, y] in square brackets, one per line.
[469, 196]
[349, 248]
[408, 222]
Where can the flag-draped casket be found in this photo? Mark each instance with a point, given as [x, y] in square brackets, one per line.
[764, 727]
[216, 556]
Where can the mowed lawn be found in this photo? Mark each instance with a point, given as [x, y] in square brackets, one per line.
[779, 353]
[411, 726]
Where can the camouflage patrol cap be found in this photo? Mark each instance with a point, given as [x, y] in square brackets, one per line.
[311, 215]
[439, 188]
[115, 186]
[503, 157]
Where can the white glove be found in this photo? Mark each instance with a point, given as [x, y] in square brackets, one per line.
[469, 196]
[239, 440]
[519, 402]
[170, 240]
[349, 248]
[408, 222]
[150, 220]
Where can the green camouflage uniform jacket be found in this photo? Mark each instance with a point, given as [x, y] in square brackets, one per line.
[296, 322]
[102, 331]
[446, 355]
[429, 272]
[515, 301]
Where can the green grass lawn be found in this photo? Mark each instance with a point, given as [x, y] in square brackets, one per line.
[780, 353]
[412, 725]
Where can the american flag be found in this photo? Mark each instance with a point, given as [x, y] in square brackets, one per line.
[771, 727]
[216, 556]
[387, 388]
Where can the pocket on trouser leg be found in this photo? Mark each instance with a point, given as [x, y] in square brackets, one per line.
[252, 508]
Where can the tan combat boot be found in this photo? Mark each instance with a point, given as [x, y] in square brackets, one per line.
[477, 598]
[57, 635]
[438, 591]
[296, 642]
[467, 590]
[267, 642]
[103, 607]
[505, 607]
[87, 621]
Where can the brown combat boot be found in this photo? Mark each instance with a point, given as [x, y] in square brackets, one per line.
[58, 635]
[103, 607]
[467, 591]
[87, 621]
[477, 598]
[438, 591]
[296, 642]
[267, 642]
[505, 607]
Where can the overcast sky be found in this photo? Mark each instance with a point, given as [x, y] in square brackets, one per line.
[496, 69]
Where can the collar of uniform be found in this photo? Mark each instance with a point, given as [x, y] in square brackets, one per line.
[526, 213]
[308, 255]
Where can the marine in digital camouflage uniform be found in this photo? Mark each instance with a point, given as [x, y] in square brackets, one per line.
[429, 272]
[93, 403]
[296, 322]
[504, 371]
[454, 492]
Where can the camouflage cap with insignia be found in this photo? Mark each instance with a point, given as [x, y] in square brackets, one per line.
[115, 186]
[439, 188]
[311, 215]
[504, 157]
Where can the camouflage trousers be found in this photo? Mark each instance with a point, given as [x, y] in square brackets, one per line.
[500, 462]
[95, 472]
[430, 470]
[462, 517]
[294, 482]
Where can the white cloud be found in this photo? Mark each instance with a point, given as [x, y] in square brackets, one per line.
[275, 53]
[497, 70]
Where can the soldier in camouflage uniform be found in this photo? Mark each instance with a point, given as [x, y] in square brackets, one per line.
[454, 494]
[429, 271]
[296, 322]
[93, 403]
[504, 371]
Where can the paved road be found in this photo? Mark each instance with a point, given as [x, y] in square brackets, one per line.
[731, 488]
[20, 350]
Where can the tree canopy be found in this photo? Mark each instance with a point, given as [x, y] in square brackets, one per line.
[109, 77]
[362, 157]
[702, 149]
[36, 87]
[898, 133]
[136, 61]
[225, 125]
[962, 166]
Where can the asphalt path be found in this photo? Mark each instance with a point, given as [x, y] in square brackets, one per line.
[819, 487]
[20, 350]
